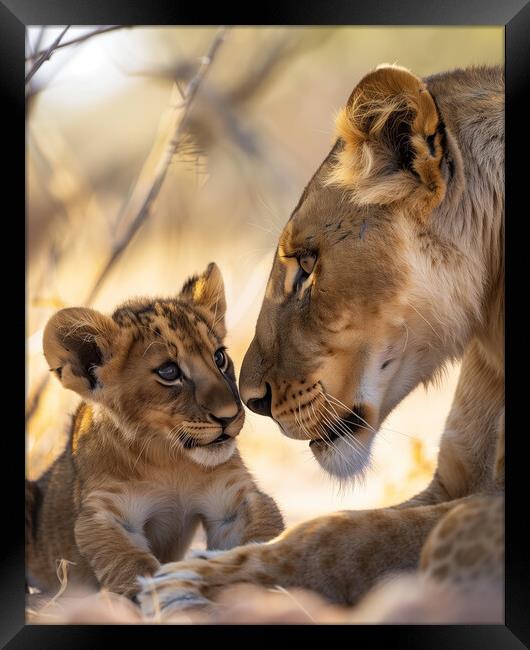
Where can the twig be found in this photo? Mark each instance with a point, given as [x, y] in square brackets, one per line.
[46, 55]
[82, 38]
[163, 165]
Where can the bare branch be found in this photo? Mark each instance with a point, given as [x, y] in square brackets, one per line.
[162, 167]
[82, 38]
[46, 55]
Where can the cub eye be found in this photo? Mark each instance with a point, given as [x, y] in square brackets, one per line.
[169, 372]
[220, 358]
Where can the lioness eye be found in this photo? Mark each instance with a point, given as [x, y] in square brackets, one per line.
[220, 358]
[169, 371]
[307, 263]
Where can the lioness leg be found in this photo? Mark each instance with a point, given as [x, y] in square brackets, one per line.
[467, 545]
[339, 556]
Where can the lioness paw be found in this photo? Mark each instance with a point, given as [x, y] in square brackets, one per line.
[172, 589]
[205, 555]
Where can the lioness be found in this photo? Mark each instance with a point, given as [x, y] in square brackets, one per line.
[152, 450]
[390, 266]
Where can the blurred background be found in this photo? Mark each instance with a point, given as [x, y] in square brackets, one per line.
[112, 214]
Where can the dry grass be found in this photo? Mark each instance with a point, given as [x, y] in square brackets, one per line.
[400, 599]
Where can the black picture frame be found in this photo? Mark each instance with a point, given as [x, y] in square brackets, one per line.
[515, 16]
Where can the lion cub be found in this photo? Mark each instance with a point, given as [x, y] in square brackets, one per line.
[152, 450]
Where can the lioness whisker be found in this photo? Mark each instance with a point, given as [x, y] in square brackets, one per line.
[343, 421]
[428, 323]
[327, 441]
[332, 426]
[402, 433]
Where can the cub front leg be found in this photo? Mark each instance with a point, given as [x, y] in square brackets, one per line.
[116, 552]
[339, 556]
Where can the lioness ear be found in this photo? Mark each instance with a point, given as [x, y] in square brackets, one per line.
[394, 141]
[76, 341]
[207, 292]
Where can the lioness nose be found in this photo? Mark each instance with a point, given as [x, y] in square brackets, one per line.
[262, 405]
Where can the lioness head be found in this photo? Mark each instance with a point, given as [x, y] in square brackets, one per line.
[371, 289]
[157, 367]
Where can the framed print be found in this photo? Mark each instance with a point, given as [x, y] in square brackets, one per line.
[264, 341]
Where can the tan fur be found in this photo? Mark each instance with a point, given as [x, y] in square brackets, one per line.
[467, 545]
[404, 226]
[129, 490]
[364, 168]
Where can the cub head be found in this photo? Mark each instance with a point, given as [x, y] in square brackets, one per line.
[158, 367]
[371, 289]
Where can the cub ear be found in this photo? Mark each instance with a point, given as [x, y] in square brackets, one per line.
[394, 141]
[76, 342]
[207, 292]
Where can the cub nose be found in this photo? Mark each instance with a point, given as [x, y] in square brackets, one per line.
[262, 405]
[224, 422]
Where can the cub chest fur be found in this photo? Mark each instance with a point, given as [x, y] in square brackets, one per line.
[162, 512]
[158, 517]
